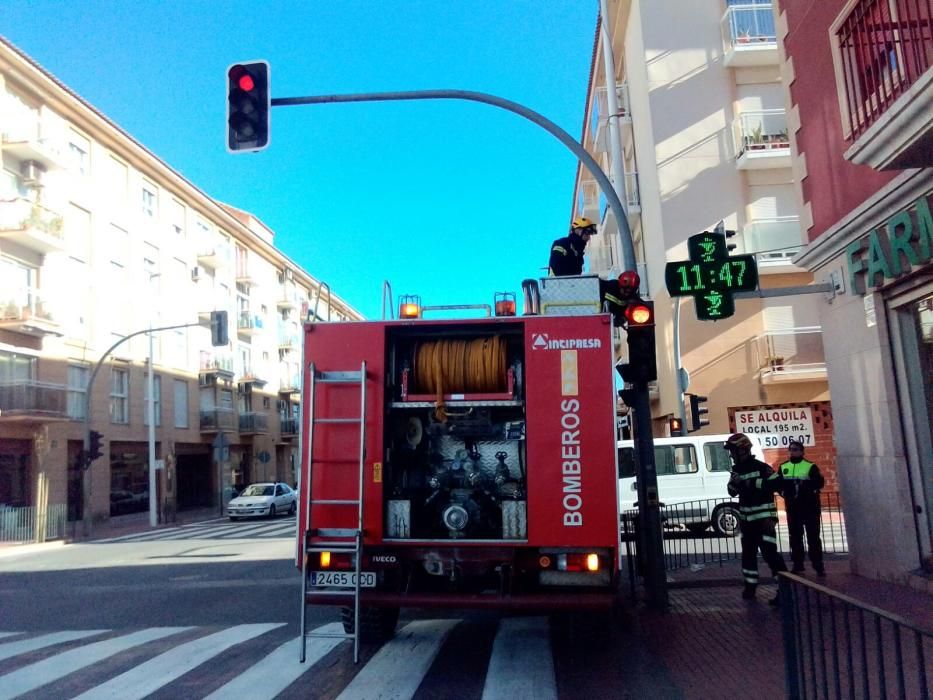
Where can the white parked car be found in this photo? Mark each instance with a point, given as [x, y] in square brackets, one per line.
[266, 499]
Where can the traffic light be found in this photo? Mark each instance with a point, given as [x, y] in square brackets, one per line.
[219, 337]
[697, 411]
[676, 426]
[729, 233]
[248, 106]
[642, 364]
[94, 450]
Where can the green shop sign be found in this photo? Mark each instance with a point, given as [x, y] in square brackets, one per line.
[901, 245]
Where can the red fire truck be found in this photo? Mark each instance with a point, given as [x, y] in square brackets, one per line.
[458, 463]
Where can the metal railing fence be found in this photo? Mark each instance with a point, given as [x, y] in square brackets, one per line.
[836, 646]
[708, 531]
[21, 525]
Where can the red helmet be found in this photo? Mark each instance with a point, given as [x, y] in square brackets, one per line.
[739, 442]
[629, 280]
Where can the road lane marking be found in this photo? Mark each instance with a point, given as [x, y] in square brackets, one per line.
[9, 634]
[279, 669]
[400, 665]
[51, 669]
[11, 649]
[521, 664]
[148, 677]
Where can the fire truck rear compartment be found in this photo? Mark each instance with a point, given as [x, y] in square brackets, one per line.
[455, 458]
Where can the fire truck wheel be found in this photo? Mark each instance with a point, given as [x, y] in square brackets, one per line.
[376, 624]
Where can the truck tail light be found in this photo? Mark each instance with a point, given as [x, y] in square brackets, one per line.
[592, 562]
[578, 562]
[325, 560]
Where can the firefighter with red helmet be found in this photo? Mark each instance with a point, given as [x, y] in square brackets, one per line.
[755, 483]
[567, 252]
[618, 293]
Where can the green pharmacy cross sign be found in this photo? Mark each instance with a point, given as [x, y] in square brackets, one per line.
[711, 276]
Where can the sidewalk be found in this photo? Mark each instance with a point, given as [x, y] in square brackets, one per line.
[716, 645]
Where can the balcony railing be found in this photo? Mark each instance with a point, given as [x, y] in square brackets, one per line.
[599, 115]
[749, 35]
[248, 323]
[289, 426]
[31, 225]
[254, 423]
[27, 398]
[216, 419]
[23, 139]
[773, 241]
[885, 47]
[210, 362]
[792, 354]
[27, 310]
[761, 135]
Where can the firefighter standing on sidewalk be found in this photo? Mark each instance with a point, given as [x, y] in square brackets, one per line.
[802, 482]
[755, 483]
[567, 252]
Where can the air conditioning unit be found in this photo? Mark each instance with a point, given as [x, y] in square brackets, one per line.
[31, 171]
[195, 273]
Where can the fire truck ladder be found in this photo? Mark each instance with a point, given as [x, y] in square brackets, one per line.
[339, 540]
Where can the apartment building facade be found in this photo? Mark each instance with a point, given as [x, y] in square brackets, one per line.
[859, 78]
[703, 137]
[100, 239]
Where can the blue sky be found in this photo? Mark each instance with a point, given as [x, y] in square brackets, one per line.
[450, 200]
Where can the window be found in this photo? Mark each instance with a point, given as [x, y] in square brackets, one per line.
[180, 388]
[157, 407]
[78, 150]
[15, 367]
[119, 244]
[78, 231]
[675, 459]
[77, 391]
[117, 180]
[178, 218]
[119, 396]
[149, 200]
[717, 459]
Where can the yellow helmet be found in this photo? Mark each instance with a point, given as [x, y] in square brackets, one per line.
[582, 222]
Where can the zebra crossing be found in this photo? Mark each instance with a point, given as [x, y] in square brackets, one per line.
[283, 527]
[259, 661]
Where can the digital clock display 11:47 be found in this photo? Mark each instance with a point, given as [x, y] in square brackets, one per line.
[711, 276]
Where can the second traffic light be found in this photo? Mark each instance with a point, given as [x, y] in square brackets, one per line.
[697, 411]
[94, 448]
[248, 105]
[642, 364]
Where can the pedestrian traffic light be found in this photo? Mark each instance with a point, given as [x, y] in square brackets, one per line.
[248, 105]
[642, 364]
[676, 426]
[697, 411]
[94, 450]
[219, 336]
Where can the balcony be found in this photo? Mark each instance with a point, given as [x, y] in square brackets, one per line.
[254, 423]
[245, 274]
[774, 242]
[289, 298]
[885, 54]
[215, 420]
[31, 225]
[26, 400]
[599, 116]
[748, 36]
[214, 363]
[27, 311]
[791, 355]
[248, 325]
[289, 427]
[761, 140]
[25, 143]
[213, 254]
[290, 384]
[289, 341]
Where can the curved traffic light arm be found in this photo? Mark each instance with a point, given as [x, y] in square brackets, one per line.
[625, 233]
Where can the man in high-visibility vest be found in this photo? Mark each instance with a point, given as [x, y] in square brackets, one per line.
[755, 484]
[802, 482]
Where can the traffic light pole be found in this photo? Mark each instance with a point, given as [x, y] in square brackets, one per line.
[86, 467]
[649, 510]
[625, 234]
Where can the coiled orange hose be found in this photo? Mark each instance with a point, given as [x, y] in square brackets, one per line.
[459, 367]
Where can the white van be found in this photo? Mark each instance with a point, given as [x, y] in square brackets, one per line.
[692, 470]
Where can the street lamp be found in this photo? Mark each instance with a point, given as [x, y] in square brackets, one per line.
[153, 511]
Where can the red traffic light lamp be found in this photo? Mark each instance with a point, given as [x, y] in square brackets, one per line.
[248, 106]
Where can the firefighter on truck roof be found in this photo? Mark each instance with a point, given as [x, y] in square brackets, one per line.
[567, 252]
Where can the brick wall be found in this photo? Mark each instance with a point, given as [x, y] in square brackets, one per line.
[823, 453]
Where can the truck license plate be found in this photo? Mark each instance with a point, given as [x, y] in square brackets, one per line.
[346, 579]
